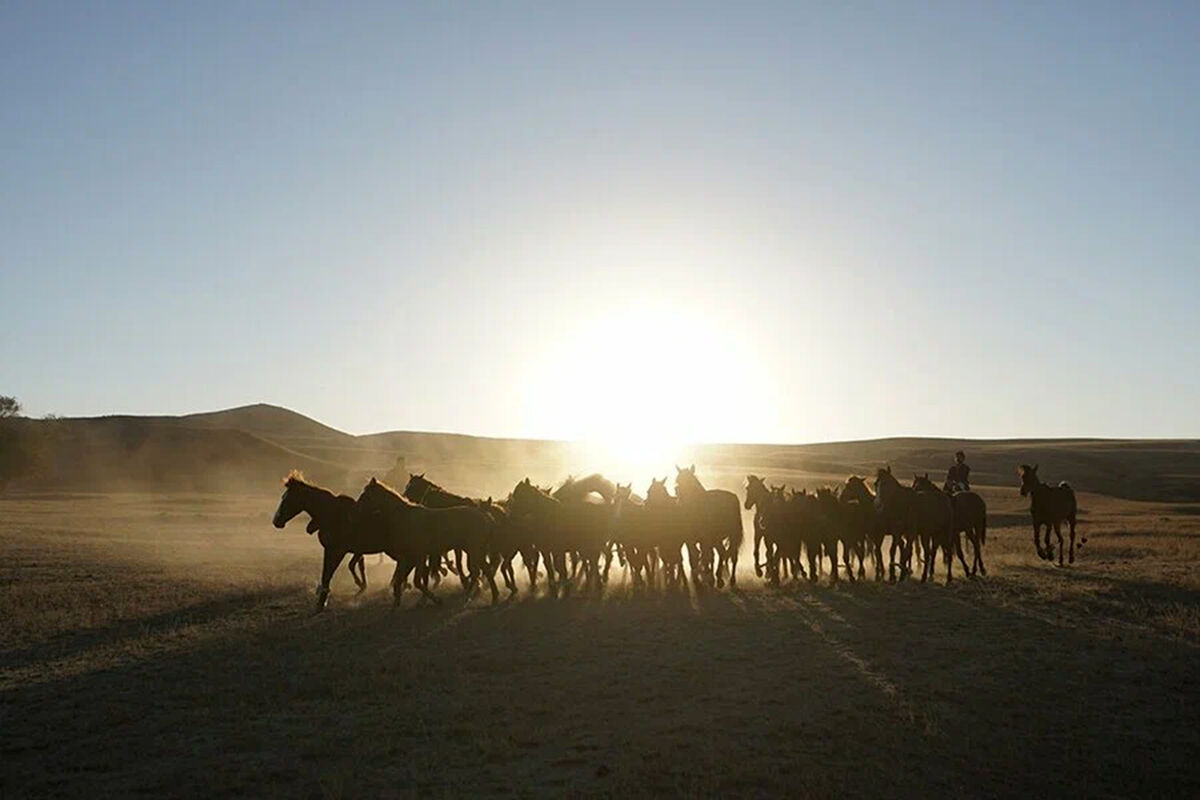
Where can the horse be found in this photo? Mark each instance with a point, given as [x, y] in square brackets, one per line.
[332, 519]
[669, 531]
[1049, 506]
[420, 489]
[581, 488]
[506, 542]
[925, 517]
[970, 517]
[932, 518]
[758, 498]
[717, 517]
[859, 505]
[631, 531]
[559, 528]
[892, 503]
[783, 523]
[840, 526]
[416, 534]
[597, 490]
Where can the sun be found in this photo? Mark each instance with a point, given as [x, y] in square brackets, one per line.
[638, 383]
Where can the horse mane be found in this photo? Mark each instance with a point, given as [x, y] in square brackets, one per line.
[397, 495]
[580, 487]
[296, 478]
[433, 486]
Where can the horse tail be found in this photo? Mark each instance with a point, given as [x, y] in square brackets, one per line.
[737, 533]
[983, 530]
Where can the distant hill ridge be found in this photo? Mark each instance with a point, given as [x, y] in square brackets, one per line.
[251, 447]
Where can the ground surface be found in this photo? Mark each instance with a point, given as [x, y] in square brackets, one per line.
[165, 645]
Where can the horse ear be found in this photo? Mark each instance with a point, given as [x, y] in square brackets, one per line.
[678, 468]
[926, 476]
[1035, 466]
[692, 469]
[888, 469]
[373, 481]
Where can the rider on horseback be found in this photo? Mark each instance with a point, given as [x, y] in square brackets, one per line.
[958, 477]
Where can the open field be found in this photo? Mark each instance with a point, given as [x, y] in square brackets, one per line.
[163, 644]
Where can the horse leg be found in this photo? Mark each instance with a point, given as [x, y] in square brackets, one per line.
[399, 576]
[733, 564]
[421, 581]
[1058, 535]
[530, 557]
[758, 568]
[490, 573]
[331, 561]
[958, 548]
[1072, 524]
[358, 571]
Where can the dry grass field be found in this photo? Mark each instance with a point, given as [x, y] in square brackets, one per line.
[164, 645]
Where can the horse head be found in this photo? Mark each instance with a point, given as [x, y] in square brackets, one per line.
[1029, 478]
[291, 502]
[657, 493]
[757, 492]
[417, 487]
[922, 483]
[686, 482]
[855, 488]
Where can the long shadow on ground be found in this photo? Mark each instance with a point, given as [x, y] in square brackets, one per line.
[863, 689]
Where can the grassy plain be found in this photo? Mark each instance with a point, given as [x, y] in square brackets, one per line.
[164, 645]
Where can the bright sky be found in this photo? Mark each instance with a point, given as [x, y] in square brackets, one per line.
[712, 222]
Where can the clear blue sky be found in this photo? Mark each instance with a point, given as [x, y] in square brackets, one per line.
[780, 222]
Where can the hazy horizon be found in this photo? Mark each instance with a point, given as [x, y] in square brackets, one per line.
[635, 223]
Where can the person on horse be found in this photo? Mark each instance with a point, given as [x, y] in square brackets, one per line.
[958, 478]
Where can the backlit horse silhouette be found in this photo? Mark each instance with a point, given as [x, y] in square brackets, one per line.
[332, 519]
[1049, 506]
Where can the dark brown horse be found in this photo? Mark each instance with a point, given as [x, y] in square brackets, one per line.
[669, 531]
[633, 533]
[331, 518]
[758, 499]
[416, 534]
[859, 507]
[892, 503]
[420, 489]
[716, 517]
[592, 489]
[559, 530]
[920, 516]
[1049, 506]
[970, 517]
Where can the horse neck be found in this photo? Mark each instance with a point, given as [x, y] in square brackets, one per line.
[861, 493]
[692, 488]
[321, 504]
[440, 498]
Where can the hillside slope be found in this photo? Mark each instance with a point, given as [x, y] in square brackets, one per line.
[251, 447]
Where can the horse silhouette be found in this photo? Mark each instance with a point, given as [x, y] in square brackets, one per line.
[415, 535]
[1049, 506]
[716, 518]
[332, 519]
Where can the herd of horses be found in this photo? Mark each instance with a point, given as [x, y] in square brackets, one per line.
[575, 531]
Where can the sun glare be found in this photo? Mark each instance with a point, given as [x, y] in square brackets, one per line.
[639, 383]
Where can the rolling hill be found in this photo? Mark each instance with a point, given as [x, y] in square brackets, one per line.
[250, 448]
